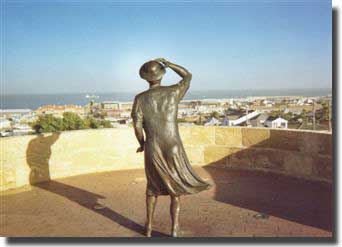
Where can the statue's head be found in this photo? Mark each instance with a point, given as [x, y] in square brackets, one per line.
[152, 71]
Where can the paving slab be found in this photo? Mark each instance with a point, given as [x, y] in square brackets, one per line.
[112, 204]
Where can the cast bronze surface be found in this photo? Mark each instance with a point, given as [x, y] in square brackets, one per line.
[152, 71]
[167, 167]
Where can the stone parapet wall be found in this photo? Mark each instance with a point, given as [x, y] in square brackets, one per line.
[305, 154]
[32, 159]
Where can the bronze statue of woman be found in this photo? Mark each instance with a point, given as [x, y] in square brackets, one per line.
[167, 167]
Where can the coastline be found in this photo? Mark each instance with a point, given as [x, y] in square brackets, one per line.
[33, 101]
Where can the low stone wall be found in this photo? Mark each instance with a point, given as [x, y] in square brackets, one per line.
[31, 159]
[305, 154]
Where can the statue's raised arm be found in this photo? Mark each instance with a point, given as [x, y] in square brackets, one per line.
[184, 84]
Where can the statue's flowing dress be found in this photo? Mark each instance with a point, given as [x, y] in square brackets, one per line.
[167, 167]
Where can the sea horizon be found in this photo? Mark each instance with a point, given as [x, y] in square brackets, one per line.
[35, 100]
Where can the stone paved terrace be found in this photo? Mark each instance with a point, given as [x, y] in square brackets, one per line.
[95, 184]
[112, 204]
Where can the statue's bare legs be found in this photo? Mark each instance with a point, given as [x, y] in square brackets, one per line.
[150, 206]
[151, 202]
[174, 211]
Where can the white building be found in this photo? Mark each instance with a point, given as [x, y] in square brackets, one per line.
[22, 129]
[16, 114]
[276, 122]
[268, 103]
[125, 114]
[5, 123]
[111, 105]
[243, 119]
[182, 112]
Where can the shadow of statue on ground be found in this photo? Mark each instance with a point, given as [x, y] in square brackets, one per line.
[299, 200]
[89, 200]
[38, 155]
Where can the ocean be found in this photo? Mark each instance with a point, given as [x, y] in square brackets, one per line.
[33, 101]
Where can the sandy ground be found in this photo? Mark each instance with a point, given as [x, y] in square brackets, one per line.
[112, 204]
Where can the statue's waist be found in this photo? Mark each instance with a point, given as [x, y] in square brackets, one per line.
[157, 121]
[161, 128]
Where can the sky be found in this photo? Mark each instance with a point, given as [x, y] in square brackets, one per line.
[98, 46]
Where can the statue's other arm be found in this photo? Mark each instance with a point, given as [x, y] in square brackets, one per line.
[184, 84]
[137, 124]
[140, 135]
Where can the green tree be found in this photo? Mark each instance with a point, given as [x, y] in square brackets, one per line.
[275, 113]
[106, 124]
[215, 114]
[181, 120]
[325, 111]
[72, 121]
[92, 123]
[48, 123]
[103, 114]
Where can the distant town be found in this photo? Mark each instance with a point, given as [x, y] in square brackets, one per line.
[292, 112]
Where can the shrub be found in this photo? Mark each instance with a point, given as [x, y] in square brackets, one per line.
[106, 124]
[72, 121]
[91, 123]
[48, 123]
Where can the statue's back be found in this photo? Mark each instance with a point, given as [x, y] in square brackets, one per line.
[159, 104]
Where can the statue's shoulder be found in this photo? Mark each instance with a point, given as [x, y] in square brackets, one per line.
[140, 95]
[171, 87]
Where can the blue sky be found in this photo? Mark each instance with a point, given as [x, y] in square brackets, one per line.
[88, 46]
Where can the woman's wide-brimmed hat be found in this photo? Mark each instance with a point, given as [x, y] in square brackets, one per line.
[152, 71]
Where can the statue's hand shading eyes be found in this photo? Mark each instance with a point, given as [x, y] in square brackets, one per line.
[162, 61]
[140, 149]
